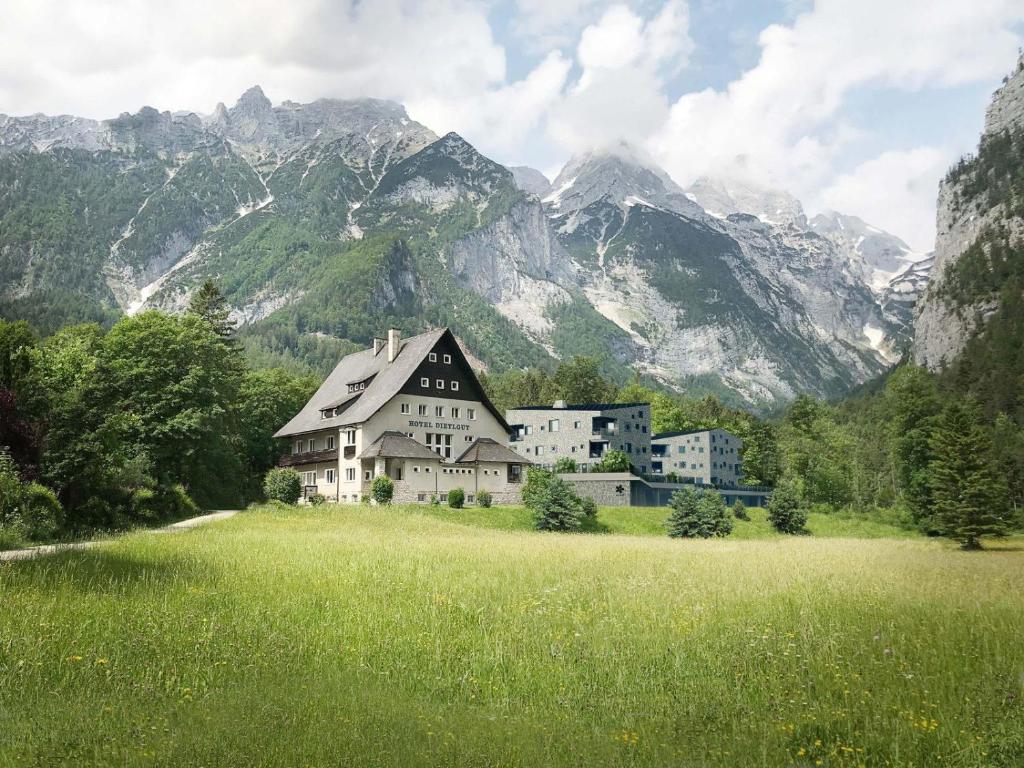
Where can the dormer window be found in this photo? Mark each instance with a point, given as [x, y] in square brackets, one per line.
[440, 383]
[424, 382]
[432, 357]
[455, 386]
[447, 359]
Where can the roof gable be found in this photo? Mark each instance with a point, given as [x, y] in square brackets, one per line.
[385, 381]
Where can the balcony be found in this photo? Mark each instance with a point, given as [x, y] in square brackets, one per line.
[308, 457]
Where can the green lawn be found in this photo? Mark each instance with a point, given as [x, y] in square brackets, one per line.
[369, 637]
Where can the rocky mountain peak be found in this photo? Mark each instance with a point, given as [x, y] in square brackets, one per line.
[722, 197]
[531, 180]
[1006, 111]
[621, 175]
[253, 101]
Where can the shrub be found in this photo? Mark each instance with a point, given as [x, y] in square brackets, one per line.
[383, 489]
[283, 484]
[27, 511]
[456, 498]
[739, 510]
[317, 499]
[433, 500]
[786, 510]
[153, 505]
[483, 499]
[554, 502]
[589, 507]
[698, 513]
[614, 461]
[565, 464]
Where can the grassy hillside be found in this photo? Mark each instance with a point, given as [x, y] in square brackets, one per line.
[387, 637]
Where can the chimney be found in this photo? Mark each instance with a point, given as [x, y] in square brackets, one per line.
[378, 344]
[559, 405]
[394, 336]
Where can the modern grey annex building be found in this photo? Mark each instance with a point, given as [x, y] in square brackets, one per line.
[707, 457]
[585, 432]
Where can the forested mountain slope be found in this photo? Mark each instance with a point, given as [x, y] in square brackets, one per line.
[325, 222]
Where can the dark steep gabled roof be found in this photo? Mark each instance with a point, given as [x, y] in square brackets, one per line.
[486, 449]
[387, 381]
[395, 445]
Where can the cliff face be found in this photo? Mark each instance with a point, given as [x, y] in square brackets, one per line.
[969, 207]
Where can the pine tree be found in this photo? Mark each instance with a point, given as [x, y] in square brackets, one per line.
[209, 303]
[969, 497]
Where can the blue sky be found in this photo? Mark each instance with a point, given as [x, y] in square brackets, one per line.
[856, 105]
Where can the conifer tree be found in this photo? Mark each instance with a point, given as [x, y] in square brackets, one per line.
[969, 497]
[209, 303]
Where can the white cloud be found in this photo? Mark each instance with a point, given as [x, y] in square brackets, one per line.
[781, 122]
[625, 60]
[894, 191]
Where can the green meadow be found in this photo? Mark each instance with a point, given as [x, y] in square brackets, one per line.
[362, 636]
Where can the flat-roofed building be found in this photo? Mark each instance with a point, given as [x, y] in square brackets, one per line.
[708, 457]
[584, 432]
[411, 409]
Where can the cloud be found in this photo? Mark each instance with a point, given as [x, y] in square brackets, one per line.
[624, 61]
[781, 122]
[894, 191]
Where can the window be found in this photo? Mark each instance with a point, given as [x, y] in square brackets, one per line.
[312, 444]
[471, 414]
[439, 411]
[573, 449]
[455, 411]
[297, 447]
[411, 434]
[529, 429]
[421, 410]
[427, 470]
[329, 476]
[399, 473]
[447, 359]
[575, 425]
[553, 425]
[469, 438]
[424, 382]
[350, 437]
[432, 357]
[330, 442]
[309, 478]
[440, 444]
[455, 386]
[415, 469]
[368, 474]
[540, 450]
[421, 497]
[405, 408]
[469, 498]
[350, 474]
[682, 449]
[440, 383]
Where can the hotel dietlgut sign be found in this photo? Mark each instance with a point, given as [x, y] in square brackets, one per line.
[438, 425]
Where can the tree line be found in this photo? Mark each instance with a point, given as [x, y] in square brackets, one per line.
[145, 422]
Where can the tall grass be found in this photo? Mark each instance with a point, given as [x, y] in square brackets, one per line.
[370, 637]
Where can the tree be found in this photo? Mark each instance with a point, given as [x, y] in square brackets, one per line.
[565, 464]
[283, 484]
[209, 304]
[1008, 442]
[554, 502]
[267, 399]
[382, 489]
[579, 380]
[483, 499]
[969, 498]
[456, 498]
[911, 404]
[739, 510]
[786, 509]
[22, 400]
[614, 461]
[698, 513]
[168, 388]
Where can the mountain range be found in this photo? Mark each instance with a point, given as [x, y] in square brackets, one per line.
[325, 222]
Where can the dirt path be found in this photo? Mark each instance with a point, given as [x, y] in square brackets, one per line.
[49, 549]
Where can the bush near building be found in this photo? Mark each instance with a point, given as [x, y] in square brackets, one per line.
[614, 461]
[698, 513]
[565, 465]
[456, 498]
[787, 512]
[554, 503]
[483, 499]
[739, 510]
[383, 489]
[283, 485]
